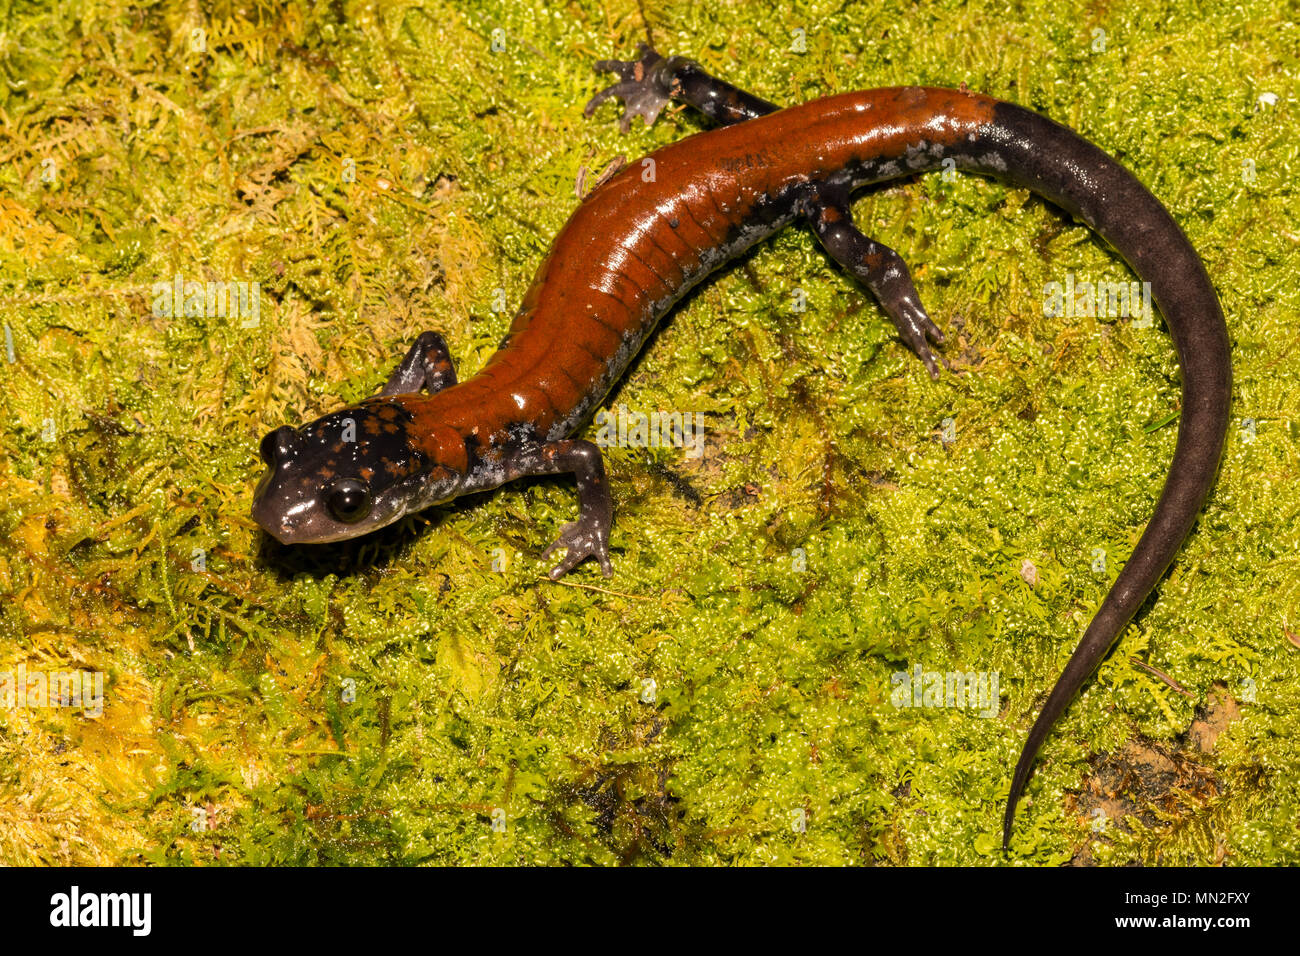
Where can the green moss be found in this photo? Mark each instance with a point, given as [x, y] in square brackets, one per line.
[389, 700]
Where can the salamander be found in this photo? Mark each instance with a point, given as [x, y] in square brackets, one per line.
[637, 243]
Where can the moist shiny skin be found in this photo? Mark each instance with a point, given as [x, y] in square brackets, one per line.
[640, 241]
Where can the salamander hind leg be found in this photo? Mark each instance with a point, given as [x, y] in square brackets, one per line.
[427, 365]
[647, 84]
[589, 535]
[879, 268]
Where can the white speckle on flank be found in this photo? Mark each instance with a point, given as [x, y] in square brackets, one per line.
[993, 161]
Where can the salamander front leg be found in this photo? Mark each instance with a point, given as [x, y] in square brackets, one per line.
[647, 84]
[427, 365]
[879, 268]
[589, 535]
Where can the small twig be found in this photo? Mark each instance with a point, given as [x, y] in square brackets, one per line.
[613, 167]
[1164, 677]
[1161, 423]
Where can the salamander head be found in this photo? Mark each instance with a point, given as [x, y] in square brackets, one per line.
[347, 474]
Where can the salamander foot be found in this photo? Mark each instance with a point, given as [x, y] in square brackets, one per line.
[585, 538]
[640, 88]
[892, 284]
[427, 366]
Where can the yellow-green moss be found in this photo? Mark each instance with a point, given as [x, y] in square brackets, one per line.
[226, 736]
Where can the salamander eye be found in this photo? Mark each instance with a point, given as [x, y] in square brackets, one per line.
[348, 501]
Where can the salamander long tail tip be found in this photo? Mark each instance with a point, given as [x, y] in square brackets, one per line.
[1018, 780]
